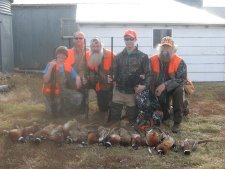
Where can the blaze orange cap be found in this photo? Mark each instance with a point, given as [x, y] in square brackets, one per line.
[130, 33]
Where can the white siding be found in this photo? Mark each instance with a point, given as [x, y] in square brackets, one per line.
[199, 32]
[105, 32]
[210, 59]
[203, 49]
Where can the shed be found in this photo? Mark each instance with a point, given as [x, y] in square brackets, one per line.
[38, 30]
[6, 37]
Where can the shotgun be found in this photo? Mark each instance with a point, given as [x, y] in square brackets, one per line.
[86, 109]
[53, 87]
[111, 85]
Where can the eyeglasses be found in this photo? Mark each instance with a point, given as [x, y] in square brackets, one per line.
[129, 39]
[76, 38]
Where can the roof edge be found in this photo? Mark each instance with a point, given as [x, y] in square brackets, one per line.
[27, 5]
[152, 23]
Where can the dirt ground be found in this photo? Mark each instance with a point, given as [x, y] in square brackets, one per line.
[23, 105]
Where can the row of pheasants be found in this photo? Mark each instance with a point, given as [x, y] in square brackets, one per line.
[73, 132]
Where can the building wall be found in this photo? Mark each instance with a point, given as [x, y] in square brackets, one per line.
[6, 37]
[6, 43]
[38, 31]
[202, 48]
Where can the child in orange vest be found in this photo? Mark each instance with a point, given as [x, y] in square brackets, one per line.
[57, 77]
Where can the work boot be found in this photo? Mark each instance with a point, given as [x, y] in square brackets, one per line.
[131, 114]
[176, 127]
[115, 112]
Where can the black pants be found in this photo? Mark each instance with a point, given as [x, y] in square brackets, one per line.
[176, 96]
[84, 107]
[104, 98]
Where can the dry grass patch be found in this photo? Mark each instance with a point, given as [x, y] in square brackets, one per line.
[23, 105]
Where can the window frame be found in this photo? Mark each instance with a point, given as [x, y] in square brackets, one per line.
[155, 45]
[62, 26]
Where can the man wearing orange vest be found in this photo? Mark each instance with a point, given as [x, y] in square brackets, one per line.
[76, 58]
[168, 75]
[58, 77]
[99, 63]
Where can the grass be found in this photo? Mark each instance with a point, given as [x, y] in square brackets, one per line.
[24, 104]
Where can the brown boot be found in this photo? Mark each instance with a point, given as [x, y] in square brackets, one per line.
[176, 127]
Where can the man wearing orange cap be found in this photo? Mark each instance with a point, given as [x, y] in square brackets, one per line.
[167, 78]
[129, 62]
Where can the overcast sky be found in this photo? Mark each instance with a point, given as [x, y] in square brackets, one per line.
[212, 3]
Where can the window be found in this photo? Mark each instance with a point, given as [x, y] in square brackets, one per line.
[158, 34]
[68, 27]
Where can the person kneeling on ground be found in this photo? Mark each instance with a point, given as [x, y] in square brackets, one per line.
[99, 65]
[167, 77]
[57, 79]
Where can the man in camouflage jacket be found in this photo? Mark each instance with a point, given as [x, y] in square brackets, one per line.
[128, 62]
[167, 77]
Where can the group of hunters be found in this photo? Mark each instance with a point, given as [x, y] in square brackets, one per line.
[128, 85]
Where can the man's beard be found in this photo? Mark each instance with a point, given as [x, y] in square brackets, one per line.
[96, 58]
[165, 56]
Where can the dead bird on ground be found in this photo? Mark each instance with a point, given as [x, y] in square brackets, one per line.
[56, 135]
[188, 145]
[43, 134]
[15, 135]
[167, 144]
[125, 137]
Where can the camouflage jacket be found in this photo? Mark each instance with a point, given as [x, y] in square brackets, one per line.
[126, 65]
[171, 83]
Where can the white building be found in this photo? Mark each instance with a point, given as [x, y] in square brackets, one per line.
[199, 34]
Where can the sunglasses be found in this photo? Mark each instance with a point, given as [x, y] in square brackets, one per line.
[129, 39]
[76, 38]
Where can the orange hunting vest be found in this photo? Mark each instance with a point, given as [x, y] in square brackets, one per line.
[49, 88]
[71, 57]
[107, 62]
[173, 65]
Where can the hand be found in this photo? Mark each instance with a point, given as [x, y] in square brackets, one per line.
[139, 88]
[52, 63]
[109, 79]
[78, 82]
[142, 76]
[160, 89]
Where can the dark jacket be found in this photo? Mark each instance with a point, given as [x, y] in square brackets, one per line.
[126, 65]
